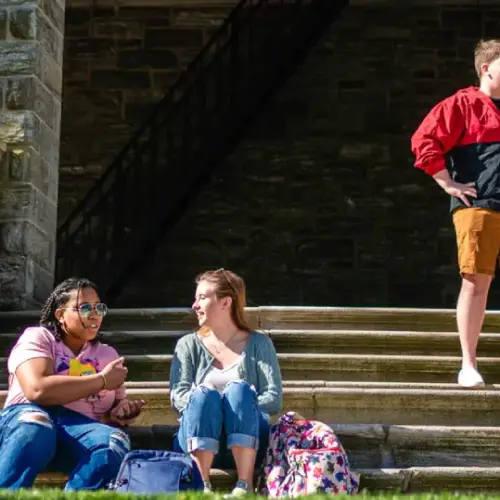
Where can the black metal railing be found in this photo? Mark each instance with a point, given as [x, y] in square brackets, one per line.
[170, 158]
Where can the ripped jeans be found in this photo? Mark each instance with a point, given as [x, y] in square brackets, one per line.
[217, 422]
[35, 439]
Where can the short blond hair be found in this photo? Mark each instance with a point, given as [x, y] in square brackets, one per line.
[486, 52]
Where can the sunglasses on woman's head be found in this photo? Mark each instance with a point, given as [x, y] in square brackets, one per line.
[86, 309]
[223, 271]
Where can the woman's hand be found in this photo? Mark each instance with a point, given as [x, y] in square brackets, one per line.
[125, 412]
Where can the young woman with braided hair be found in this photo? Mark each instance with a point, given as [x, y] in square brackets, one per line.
[65, 387]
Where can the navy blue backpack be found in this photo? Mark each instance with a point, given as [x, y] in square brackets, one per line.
[153, 471]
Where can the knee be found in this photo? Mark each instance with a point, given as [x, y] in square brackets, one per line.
[36, 434]
[238, 390]
[118, 446]
[205, 398]
[476, 284]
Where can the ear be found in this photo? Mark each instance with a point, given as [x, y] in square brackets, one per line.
[485, 68]
[227, 301]
[59, 315]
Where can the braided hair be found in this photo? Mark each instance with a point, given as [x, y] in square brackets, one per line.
[58, 298]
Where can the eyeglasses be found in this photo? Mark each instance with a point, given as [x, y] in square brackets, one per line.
[86, 309]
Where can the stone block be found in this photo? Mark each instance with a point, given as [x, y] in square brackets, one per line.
[114, 79]
[43, 282]
[23, 283]
[18, 58]
[76, 17]
[27, 22]
[23, 238]
[173, 38]
[24, 58]
[16, 127]
[157, 59]
[3, 24]
[118, 28]
[15, 289]
[24, 164]
[50, 39]
[26, 202]
[76, 73]
[208, 17]
[145, 13]
[136, 43]
[54, 11]
[26, 127]
[28, 93]
[22, 22]
[4, 164]
[89, 47]
[49, 71]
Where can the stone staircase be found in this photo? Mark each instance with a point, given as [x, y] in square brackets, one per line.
[384, 378]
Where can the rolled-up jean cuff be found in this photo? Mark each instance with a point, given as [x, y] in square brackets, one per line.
[243, 440]
[203, 444]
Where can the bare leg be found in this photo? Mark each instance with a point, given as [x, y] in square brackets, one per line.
[244, 458]
[471, 307]
[204, 460]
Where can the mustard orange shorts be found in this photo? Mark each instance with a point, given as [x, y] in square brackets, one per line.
[478, 239]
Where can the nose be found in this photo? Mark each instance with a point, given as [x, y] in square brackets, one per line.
[195, 305]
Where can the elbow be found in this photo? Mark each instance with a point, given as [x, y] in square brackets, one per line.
[34, 394]
[279, 406]
[431, 166]
[274, 406]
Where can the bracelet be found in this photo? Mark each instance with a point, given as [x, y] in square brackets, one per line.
[104, 379]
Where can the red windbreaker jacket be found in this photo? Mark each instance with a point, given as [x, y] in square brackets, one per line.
[462, 134]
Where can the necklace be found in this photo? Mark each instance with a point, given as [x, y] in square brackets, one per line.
[218, 349]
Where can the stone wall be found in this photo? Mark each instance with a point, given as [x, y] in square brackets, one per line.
[320, 204]
[31, 51]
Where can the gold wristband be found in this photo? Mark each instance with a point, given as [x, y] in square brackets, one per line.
[104, 380]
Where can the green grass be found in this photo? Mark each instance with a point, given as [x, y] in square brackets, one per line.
[56, 494]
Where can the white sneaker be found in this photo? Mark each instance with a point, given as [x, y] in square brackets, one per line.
[237, 492]
[470, 378]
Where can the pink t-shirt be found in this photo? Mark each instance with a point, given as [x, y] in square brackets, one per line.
[38, 342]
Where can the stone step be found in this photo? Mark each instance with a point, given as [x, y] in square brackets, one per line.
[375, 445]
[364, 405]
[316, 384]
[310, 341]
[391, 404]
[340, 367]
[409, 480]
[278, 318]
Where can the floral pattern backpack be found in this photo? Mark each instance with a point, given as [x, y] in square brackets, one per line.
[305, 457]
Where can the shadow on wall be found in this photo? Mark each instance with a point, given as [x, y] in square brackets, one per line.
[320, 204]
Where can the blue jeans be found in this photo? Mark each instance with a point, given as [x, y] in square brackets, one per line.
[35, 439]
[217, 422]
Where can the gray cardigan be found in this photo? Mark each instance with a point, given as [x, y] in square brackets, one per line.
[260, 368]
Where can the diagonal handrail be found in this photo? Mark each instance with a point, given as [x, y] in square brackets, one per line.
[162, 105]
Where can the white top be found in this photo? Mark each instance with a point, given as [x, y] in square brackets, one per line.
[220, 377]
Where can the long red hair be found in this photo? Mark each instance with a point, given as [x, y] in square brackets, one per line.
[228, 284]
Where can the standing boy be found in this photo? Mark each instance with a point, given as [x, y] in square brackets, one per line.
[458, 144]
